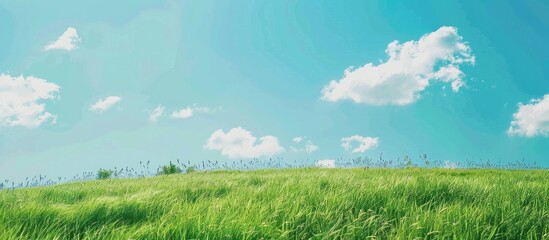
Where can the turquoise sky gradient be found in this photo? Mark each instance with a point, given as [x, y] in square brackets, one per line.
[262, 65]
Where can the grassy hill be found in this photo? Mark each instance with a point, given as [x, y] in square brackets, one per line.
[288, 204]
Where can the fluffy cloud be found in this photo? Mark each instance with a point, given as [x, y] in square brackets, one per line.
[531, 119]
[407, 72]
[328, 163]
[156, 113]
[183, 113]
[308, 146]
[240, 143]
[104, 104]
[19, 101]
[67, 41]
[364, 143]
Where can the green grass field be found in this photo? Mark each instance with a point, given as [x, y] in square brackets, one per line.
[287, 204]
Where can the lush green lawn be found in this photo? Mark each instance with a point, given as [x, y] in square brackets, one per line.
[287, 204]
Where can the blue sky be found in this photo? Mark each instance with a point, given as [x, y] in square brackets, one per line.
[96, 85]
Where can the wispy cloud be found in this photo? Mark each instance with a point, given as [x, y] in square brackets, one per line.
[104, 104]
[531, 119]
[156, 113]
[310, 148]
[364, 143]
[67, 41]
[297, 139]
[303, 144]
[190, 111]
[408, 71]
[20, 101]
[240, 143]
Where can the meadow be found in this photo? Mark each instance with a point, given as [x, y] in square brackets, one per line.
[300, 203]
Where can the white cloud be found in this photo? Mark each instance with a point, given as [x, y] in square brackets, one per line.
[156, 113]
[531, 119]
[308, 146]
[450, 165]
[240, 143]
[297, 139]
[327, 163]
[408, 71]
[19, 101]
[190, 111]
[104, 104]
[364, 143]
[67, 41]
[183, 113]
